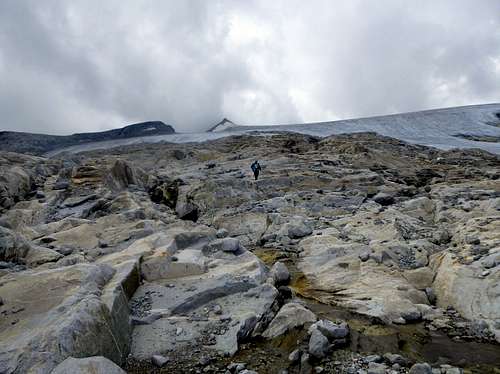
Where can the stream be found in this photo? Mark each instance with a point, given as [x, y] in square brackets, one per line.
[413, 341]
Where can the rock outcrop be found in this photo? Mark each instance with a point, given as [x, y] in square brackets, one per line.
[153, 259]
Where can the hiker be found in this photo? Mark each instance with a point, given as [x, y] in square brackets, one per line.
[256, 169]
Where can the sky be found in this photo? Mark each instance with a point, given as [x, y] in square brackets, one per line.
[92, 65]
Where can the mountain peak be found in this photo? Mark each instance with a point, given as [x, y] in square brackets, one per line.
[223, 125]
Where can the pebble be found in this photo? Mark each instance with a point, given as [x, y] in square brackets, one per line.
[294, 356]
[159, 360]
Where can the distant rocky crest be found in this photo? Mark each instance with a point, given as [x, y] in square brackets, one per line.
[223, 125]
[38, 144]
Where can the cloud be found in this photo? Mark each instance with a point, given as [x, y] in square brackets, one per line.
[90, 65]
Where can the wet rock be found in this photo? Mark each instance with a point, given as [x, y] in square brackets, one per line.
[94, 365]
[318, 344]
[423, 368]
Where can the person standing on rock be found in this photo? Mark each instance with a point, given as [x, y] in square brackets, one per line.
[256, 169]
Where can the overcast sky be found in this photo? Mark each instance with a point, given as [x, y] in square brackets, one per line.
[75, 66]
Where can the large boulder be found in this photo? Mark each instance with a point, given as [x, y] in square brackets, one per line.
[462, 286]
[78, 310]
[88, 365]
[15, 184]
[318, 344]
[122, 174]
[280, 274]
[291, 315]
[13, 247]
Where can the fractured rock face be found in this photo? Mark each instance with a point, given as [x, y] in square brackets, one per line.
[76, 319]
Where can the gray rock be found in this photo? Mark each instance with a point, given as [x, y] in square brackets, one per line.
[222, 233]
[280, 274]
[61, 185]
[305, 366]
[294, 357]
[331, 330]
[187, 210]
[159, 360]
[384, 199]
[453, 370]
[412, 315]
[13, 247]
[473, 240]
[491, 261]
[375, 368]
[364, 256]
[94, 365]
[231, 245]
[396, 359]
[291, 315]
[421, 369]
[318, 344]
[149, 319]
[431, 295]
[236, 366]
[298, 229]
[372, 358]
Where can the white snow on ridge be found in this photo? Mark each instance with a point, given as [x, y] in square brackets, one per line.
[436, 128]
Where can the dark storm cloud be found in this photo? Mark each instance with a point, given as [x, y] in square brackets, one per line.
[91, 65]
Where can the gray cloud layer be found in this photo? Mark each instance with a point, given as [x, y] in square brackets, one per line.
[91, 65]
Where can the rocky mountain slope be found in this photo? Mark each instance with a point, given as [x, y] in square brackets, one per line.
[351, 254]
[38, 144]
[475, 126]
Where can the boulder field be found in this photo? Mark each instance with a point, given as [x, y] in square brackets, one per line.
[171, 258]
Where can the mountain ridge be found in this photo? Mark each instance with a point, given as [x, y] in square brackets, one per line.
[37, 144]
